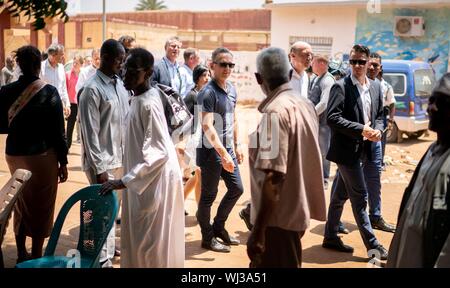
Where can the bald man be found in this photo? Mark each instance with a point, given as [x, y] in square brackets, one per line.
[301, 57]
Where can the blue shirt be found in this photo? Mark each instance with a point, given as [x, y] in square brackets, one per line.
[213, 99]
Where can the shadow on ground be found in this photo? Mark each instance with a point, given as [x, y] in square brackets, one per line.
[194, 249]
[318, 255]
[320, 229]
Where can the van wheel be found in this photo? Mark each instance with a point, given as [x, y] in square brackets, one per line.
[415, 135]
[393, 135]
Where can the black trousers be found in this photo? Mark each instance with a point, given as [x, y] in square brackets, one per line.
[71, 121]
[212, 171]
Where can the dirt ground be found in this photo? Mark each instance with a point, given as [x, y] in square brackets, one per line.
[403, 159]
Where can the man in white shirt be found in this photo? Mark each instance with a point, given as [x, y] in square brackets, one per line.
[354, 114]
[103, 109]
[52, 72]
[87, 72]
[191, 60]
[301, 57]
[319, 94]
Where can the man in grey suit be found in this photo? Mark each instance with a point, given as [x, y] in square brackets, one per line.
[167, 71]
[354, 114]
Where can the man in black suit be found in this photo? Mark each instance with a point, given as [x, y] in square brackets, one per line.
[354, 114]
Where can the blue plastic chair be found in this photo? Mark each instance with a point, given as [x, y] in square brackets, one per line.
[97, 216]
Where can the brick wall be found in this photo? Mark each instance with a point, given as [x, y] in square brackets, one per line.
[252, 19]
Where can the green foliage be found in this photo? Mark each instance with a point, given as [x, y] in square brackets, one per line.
[150, 5]
[37, 9]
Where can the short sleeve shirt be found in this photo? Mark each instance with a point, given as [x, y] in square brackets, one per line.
[213, 99]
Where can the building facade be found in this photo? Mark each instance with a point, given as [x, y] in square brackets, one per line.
[409, 30]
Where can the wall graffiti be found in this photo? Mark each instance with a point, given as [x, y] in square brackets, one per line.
[377, 32]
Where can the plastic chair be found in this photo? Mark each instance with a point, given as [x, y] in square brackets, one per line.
[8, 197]
[97, 216]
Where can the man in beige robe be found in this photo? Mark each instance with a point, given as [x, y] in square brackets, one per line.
[285, 166]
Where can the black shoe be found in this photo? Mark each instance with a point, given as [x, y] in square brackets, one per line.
[185, 213]
[380, 224]
[226, 238]
[215, 246]
[342, 229]
[118, 221]
[246, 217]
[380, 253]
[336, 244]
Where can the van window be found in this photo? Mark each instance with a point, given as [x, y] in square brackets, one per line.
[424, 81]
[398, 82]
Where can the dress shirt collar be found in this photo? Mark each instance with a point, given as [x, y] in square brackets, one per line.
[48, 65]
[167, 61]
[357, 83]
[106, 79]
[188, 69]
[296, 75]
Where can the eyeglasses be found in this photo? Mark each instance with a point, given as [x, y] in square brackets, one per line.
[361, 62]
[225, 64]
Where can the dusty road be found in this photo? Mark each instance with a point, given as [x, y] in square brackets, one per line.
[404, 158]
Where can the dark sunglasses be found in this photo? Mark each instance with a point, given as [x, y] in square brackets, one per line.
[361, 62]
[225, 64]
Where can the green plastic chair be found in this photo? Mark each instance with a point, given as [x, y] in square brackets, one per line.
[97, 216]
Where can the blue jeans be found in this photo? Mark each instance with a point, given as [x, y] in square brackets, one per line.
[212, 170]
[384, 136]
[350, 184]
[372, 174]
[324, 144]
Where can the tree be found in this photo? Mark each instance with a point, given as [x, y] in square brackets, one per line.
[39, 10]
[150, 5]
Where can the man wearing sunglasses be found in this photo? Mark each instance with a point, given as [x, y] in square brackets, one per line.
[354, 114]
[219, 153]
[374, 186]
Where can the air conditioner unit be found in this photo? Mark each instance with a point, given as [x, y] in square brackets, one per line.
[409, 26]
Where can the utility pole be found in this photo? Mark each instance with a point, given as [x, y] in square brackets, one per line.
[104, 21]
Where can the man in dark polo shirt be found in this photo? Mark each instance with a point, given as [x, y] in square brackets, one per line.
[219, 153]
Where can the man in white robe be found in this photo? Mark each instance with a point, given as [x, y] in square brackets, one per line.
[152, 232]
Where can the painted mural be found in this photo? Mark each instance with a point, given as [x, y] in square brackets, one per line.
[377, 32]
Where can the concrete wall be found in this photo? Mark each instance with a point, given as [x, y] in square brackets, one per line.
[324, 21]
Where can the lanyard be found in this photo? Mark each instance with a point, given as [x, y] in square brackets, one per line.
[178, 74]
